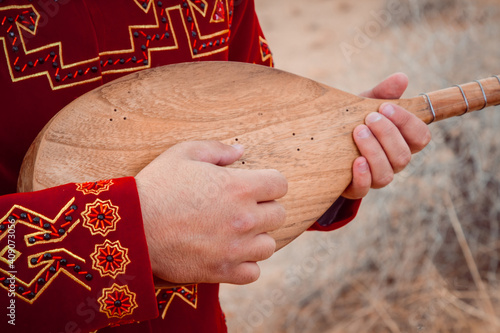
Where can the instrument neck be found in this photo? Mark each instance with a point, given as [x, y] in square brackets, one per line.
[457, 100]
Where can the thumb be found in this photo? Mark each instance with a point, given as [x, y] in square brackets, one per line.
[391, 88]
[213, 152]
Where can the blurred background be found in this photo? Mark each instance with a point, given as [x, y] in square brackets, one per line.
[423, 253]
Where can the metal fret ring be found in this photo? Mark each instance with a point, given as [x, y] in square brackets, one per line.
[465, 99]
[498, 78]
[484, 94]
[432, 108]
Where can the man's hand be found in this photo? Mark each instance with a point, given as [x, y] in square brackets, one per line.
[387, 140]
[204, 222]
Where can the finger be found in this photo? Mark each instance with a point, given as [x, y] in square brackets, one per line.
[213, 152]
[261, 247]
[390, 139]
[391, 88]
[271, 216]
[261, 218]
[244, 269]
[361, 180]
[244, 273]
[415, 132]
[369, 147]
[263, 185]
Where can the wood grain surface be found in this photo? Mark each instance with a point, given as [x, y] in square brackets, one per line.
[285, 122]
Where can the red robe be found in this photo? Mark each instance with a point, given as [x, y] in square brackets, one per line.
[74, 258]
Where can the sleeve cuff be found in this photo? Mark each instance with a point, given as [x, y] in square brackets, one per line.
[81, 258]
[340, 213]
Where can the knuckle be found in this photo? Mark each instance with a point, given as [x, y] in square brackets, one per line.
[244, 223]
[405, 118]
[281, 212]
[239, 188]
[357, 192]
[277, 183]
[383, 129]
[272, 249]
[220, 271]
[230, 261]
[233, 253]
[242, 273]
[265, 249]
[190, 149]
[269, 248]
[179, 147]
[424, 140]
[402, 160]
[249, 276]
[279, 216]
[390, 130]
[384, 180]
[275, 216]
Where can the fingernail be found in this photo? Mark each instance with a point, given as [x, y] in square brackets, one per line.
[364, 133]
[363, 167]
[387, 110]
[373, 117]
[237, 146]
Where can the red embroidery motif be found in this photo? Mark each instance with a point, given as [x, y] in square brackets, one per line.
[117, 301]
[188, 294]
[110, 258]
[265, 51]
[94, 187]
[100, 217]
[219, 12]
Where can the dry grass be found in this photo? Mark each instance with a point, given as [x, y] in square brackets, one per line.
[423, 254]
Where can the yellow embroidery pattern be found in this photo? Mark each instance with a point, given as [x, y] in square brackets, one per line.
[17, 28]
[117, 301]
[264, 51]
[100, 217]
[31, 223]
[43, 279]
[3, 253]
[219, 12]
[110, 259]
[94, 187]
[165, 296]
[200, 43]
[43, 267]
[161, 36]
[142, 31]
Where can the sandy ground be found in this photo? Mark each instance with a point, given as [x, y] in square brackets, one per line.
[352, 45]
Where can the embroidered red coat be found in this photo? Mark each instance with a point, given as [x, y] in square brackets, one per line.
[74, 258]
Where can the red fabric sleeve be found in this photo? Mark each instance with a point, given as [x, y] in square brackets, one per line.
[74, 257]
[248, 43]
[340, 213]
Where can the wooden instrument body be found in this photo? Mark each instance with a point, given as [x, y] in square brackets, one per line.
[285, 122]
